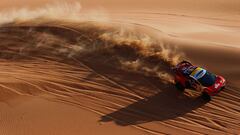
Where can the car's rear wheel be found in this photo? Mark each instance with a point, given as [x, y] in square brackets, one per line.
[205, 96]
[179, 86]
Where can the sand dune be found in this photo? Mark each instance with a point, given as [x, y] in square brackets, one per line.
[81, 76]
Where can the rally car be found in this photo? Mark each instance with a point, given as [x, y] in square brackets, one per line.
[196, 78]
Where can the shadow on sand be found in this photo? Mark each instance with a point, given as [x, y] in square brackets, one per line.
[162, 101]
[151, 109]
[168, 103]
[155, 108]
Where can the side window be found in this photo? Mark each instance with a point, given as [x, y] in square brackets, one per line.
[189, 70]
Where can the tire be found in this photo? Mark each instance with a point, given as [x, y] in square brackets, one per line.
[179, 86]
[205, 96]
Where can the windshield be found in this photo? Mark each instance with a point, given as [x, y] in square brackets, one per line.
[208, 79]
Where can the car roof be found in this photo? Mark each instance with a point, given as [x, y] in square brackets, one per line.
[198, 73]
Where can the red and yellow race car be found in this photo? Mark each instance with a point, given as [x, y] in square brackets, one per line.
[196, 78]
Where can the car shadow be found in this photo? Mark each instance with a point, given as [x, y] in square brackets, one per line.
[154, 108]
[162, 101]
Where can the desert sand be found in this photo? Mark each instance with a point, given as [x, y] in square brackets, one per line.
[104, 67]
